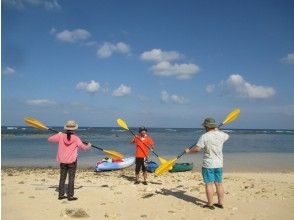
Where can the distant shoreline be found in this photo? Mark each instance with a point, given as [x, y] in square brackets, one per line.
[233, 162]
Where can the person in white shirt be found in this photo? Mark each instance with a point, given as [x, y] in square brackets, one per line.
[211, 143]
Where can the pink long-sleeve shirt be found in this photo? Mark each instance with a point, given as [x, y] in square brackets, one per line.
[67, 149]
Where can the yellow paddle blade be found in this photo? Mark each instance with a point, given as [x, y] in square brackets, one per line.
[122, 123]
[114, 154]
[161, 160]
[232, 116]
[35, 123]
[165, 167]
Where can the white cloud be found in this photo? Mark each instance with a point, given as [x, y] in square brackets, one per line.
[71, 36]
[41, 102]
[237, 85]
[210, 88]
[107, 49]
[90, 87]
[8, 71]
[289, 59]
[51, 5]
[167, 98]
[164, 66]
[181, 71]
[122, 90]
[158, 55]
[22, 4]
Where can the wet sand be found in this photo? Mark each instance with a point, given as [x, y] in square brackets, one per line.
[31, 193]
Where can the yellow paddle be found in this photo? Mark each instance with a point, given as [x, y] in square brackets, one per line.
[38, 124]
[169, 164]
[124, 125]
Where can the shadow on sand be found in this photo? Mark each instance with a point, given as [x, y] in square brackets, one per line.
[65, 188]
[180, 194]
[132, 179]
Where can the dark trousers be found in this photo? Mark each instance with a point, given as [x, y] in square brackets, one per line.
[140, 164]
[71, 170]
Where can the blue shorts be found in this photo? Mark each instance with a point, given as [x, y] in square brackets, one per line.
[212, 175]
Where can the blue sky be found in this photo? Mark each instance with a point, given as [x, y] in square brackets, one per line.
[153, 63]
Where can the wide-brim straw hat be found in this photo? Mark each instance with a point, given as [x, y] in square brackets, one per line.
[209, 123]
[71, 125]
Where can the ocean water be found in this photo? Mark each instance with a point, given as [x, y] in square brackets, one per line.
[247, 150]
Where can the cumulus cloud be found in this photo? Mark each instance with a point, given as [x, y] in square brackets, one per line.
[22, 4]
[289, 59]
[71, 36]
[181, 71]
[8, 71]
[158, 55]
[122, 90]
[90, 87]
[167, 98]
[107, 49]
[237, 85]
[165, 67]
[41, 102]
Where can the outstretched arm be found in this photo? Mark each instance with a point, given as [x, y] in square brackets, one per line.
[133, 141]
[55, 138]
[194, 149]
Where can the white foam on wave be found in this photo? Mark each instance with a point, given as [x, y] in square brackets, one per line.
[117, 130]
[11, 128]
[280, 131]
[170, 129]
[228, 131]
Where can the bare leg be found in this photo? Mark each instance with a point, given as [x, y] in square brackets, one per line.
[209, 193]
[220, 193]
[145, 176]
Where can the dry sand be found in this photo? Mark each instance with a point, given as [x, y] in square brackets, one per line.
[32, 194]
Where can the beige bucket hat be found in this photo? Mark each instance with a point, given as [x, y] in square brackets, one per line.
[71, 125]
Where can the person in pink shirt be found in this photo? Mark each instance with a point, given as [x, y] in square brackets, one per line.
[68, 144]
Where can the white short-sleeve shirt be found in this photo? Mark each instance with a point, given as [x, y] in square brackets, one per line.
[212, 144]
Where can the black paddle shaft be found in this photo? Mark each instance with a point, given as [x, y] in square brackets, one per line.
[221, 124]
[55, 131]
[185, 150]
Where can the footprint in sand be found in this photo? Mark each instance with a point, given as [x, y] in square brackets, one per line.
[110, 215]
[75, 213]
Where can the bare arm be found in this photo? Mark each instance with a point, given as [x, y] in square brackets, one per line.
[194, 149]
[133, 140]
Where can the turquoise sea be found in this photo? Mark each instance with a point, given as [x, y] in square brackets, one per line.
[246, 150]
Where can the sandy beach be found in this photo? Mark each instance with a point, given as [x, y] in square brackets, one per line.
[31, 193]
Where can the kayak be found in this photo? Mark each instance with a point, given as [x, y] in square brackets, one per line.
[178, 167]
[182, 167]
[151, 166]
[110, 164]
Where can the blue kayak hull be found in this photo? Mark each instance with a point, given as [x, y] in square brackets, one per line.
[104, 165]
